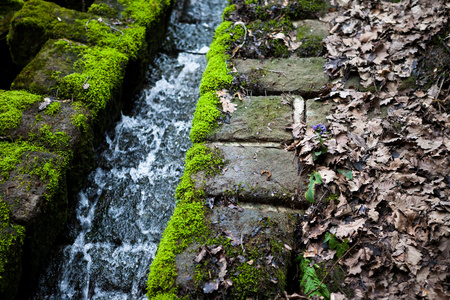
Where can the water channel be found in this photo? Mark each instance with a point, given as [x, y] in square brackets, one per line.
[129, 198]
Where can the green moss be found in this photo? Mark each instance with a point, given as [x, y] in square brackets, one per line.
[205, 116]
[305, 9]
[144, 12]
[39, 17]
[214, 78]
[80, 121]
[103, 70]
[57, 141]
[11, 155]
[103, 9]
[186, 224]
[227, 11]
[53, 109]
[247, 283]
[198, 158]
[129, 40]
[46, 168]
[12, 104]
[310, 47]
[11, 241]
[408, 83]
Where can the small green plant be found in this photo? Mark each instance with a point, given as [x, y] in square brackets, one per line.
[314, 179]
[320, 129]
[334, 243]
[310, 282]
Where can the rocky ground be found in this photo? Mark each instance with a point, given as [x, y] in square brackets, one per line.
[330, 174]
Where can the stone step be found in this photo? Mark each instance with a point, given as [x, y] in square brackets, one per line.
[257, 119]
[248, 249]
[302, 76]
[259, 173]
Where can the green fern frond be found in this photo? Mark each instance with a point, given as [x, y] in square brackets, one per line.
[310, 281]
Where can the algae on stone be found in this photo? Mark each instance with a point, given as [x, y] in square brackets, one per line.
[12, 104]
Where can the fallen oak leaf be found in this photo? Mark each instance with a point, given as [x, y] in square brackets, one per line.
[225, 98]
[347, 230]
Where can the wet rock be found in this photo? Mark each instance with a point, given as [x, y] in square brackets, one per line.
[302, 76]
[257, 119]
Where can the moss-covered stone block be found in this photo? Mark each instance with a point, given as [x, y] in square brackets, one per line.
[258, 173]
[247, 254]
[256, 119]
[273, 9]
[46, 147]
[39, 21]
[33, 187]
[55, 60]
[302, 76]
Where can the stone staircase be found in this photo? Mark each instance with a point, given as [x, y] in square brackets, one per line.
[249, 191]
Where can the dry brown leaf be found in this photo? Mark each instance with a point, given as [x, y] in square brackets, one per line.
[348, 230]
[225, 98]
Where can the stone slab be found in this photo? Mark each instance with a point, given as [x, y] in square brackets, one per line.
[317, 111]
[257, 119]
[310, 28]
[244, 175]
[260, 244]
[304, 76]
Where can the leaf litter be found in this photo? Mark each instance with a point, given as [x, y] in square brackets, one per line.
[388, 151]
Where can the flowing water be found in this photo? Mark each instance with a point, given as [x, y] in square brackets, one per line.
[129, 197]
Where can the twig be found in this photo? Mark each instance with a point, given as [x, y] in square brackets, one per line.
[9, 187]
[245, 38]
[331, 269]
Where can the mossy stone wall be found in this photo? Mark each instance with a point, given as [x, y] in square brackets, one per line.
[71, 87]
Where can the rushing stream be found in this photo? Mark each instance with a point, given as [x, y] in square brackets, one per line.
[129, 197]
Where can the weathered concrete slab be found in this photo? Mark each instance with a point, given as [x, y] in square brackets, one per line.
[246, 175]
[257, 119]
[317, 111]
[250, 244]
[302, 76]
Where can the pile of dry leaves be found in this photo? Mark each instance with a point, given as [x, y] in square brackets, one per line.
[395, 140]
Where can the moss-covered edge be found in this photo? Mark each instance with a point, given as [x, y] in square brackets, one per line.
[188, 220]
[186, 224]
